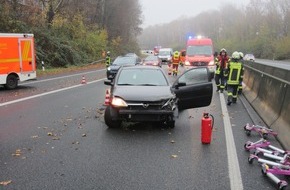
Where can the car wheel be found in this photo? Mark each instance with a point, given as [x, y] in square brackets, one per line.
[171, 124]
[11, 82]
[108, 119]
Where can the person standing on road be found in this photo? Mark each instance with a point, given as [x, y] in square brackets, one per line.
[108, 59]
[234, 71]
[175, 62]
[240, 88]
[221, 62]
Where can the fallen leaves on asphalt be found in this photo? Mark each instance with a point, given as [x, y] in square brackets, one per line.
[4, 183]
[17, 153]
[49, 134]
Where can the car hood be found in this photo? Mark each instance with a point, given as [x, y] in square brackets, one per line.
[164, 56]
[143, 93]
[115, 67]
[150, 62]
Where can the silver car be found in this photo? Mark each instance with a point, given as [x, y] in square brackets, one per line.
[249, 57]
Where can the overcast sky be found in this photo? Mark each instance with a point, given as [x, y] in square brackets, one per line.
[164, 11]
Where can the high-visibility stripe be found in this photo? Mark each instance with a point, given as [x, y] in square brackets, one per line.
[25, 50]
[14, 60]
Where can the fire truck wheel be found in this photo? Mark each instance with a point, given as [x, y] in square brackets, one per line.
[11, 82]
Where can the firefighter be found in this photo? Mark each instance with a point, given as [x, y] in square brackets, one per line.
[240, 88]
[221, 62]
[108, 59]
[235, 71]
[175, 62]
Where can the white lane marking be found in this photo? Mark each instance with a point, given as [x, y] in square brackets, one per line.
[56, 78]
[233, 163]
[46, 93]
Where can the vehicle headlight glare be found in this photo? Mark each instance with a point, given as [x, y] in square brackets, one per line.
[109, 68]
[118, 102]
[211, 62]
[187, 63]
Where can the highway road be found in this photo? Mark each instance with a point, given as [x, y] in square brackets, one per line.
[53, 136]
[278, 64]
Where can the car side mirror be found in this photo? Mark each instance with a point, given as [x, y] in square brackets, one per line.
[179, 84]
[108, 82]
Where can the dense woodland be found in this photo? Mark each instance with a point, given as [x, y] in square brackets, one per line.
[74, 32]
[262, 27]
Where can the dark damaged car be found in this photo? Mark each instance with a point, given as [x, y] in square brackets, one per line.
[144, 94]
[119, 62]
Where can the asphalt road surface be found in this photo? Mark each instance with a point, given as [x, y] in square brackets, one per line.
[53, 136]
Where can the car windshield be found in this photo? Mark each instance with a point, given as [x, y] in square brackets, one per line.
[194, 76]
[141, 77]
[164, 53]
[125, 61]
[151, 58]
[199, 50]
[131, 54]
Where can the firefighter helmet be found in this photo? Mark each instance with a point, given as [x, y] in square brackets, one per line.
[241, 55]
[223, 50]
[236, 55]
[176, 55]
[108, 52]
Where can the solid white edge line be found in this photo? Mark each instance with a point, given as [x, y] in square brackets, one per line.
[46, 93]
[233, 163]
[56, 78]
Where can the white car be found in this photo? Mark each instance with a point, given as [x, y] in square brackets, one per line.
[165, 55]
[249, 57]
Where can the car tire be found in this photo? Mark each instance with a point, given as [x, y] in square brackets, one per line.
[11, 82]
[108, 119]
[171, 124]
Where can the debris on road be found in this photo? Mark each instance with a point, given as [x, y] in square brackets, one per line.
[4, 183]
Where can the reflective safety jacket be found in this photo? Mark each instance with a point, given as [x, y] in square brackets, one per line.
[235, 72]
[221, 63]
[108, 61]
[176, 58]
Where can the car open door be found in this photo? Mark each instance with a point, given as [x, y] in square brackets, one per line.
[193, 88]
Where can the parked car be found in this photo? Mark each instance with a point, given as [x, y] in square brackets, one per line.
[249, 57]
[144, 94]
[152, 60]
[121, 61]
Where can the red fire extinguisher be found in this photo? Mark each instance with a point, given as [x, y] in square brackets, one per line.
[207, 123]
